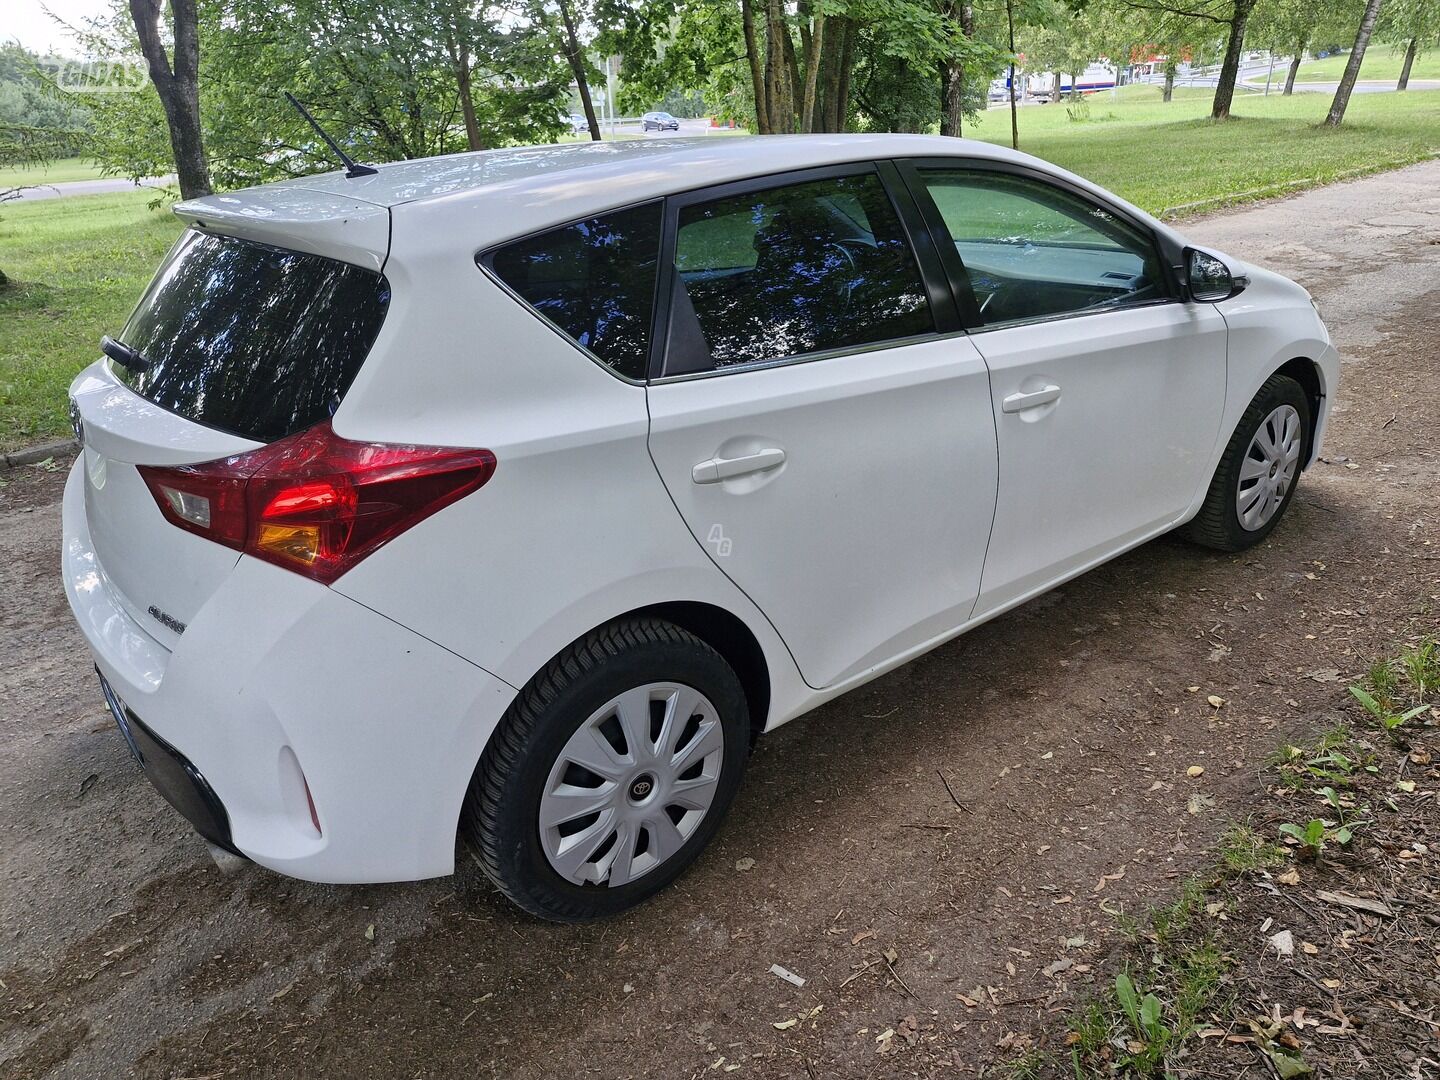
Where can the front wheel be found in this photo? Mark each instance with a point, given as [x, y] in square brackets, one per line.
[1259, 471]
[610, 773]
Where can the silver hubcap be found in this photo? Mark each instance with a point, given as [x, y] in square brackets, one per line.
[632, 784]
[1269, 468]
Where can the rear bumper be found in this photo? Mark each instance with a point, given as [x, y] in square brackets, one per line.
[172, 774]
[279, 688]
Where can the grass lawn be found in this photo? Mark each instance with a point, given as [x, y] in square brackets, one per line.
[1381, 62]
[1163, 156]
[56, 172]
[80, 263]
[77, 266]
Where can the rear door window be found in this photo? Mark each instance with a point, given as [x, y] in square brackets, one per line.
[254, 340]
[804, 268]
[594, 281]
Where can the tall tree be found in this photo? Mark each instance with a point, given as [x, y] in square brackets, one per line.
[961, 14]
[177, 82]
[575, 57]
[756, 66]
[1233, 15]
[1352, 66]
[779, 88]
[1413, 25]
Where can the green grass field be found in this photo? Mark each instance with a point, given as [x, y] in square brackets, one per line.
[77, 266]
[1166, 156]
[80, 263]
[1381, 62]
[55, 172]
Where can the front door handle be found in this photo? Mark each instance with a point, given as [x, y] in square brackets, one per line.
[717, 468]
[1032, 400]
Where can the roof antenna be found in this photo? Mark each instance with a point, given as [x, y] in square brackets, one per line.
[352, 167]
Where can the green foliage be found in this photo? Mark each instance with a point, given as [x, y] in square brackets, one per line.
[1388, 720]
[28, 100]
[1421, 665]
[1243, 850]
[1317, 833]
[1311, 835]
[382, 75]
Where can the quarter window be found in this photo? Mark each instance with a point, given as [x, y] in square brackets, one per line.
[1033, 251]
[595, 280]
[799, 269]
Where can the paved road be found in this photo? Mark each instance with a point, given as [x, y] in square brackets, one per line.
[1064, 728]
[103, 186]
[1365, 86]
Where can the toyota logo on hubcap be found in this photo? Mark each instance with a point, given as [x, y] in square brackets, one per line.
[640, 788]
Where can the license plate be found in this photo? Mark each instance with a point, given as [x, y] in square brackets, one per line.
[117, 710]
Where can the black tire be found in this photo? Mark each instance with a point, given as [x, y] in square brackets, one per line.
[500, 815]
[1218, 525]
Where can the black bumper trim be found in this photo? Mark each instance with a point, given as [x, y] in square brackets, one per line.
[176, 778]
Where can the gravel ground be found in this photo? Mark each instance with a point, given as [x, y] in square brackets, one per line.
[1064, 730]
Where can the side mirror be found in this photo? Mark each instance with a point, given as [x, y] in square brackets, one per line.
[1209, 278]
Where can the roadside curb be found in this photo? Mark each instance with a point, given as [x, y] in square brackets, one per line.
[32, 454]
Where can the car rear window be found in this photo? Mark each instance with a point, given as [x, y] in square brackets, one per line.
[255, 340]
[594, 280]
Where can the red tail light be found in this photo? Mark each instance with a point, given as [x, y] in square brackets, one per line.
[316, 503]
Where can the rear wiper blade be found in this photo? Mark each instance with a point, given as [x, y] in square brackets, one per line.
[123, 354]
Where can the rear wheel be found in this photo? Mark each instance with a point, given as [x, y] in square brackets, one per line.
[1258, 473]
[610, 773]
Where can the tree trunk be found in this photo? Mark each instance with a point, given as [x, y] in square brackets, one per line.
[780, 102]
[829, 89]
[576, 59]
[757, 77]
[1170, 66]
[178, 87]
[473, 139]
[1014, 119]
[847, 68]
[1352, 68]
[1405, 68]
[1230, 68]
[1294, 70]
[952, 76]
[792, 68]
[812, 72]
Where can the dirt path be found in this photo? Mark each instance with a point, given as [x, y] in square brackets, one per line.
[1064, 729]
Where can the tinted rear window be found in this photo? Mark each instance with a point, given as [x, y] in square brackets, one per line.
[595, 280]
[254, 340]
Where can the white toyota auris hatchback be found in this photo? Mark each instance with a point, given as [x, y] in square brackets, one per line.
[514, 494]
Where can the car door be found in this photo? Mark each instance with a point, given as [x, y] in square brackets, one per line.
[1107, 390]
[819, 419]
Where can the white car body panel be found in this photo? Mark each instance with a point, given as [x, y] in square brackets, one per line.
[870, 536]
[866, 548]
[278, 663]
[1094, 470]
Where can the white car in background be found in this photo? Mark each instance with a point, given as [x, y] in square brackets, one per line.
[515, 494]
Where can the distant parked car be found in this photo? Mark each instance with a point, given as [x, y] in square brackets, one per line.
[515, 494]
[578, 124]
[659, 121]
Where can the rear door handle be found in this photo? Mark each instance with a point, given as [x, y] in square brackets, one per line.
[717, 468]
[1032, 400]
